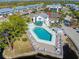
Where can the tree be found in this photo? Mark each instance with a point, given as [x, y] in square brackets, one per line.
[47, 10]
[4, 33]
[15, 27]
[62, 17]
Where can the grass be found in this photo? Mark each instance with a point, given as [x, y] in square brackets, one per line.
[77, 3]
[27, 18]
[19, 47]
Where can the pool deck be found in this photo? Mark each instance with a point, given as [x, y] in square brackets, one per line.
[43, 48]
[52, 42]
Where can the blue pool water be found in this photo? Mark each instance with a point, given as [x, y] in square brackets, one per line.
[42, 34]
[39, 23]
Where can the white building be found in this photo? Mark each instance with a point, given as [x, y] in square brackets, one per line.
[41, 17]
[68, 18]
[56, 7]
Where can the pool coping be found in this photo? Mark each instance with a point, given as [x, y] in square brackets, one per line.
[52, 42]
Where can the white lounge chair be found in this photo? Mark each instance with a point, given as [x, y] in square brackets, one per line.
[58, 51]
[45, 49]
[41, 49]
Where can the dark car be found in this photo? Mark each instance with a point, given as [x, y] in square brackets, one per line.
[77, 30]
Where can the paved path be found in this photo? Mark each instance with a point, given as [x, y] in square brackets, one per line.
[72, 34]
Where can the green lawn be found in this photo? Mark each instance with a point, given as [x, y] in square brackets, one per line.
[77, 3]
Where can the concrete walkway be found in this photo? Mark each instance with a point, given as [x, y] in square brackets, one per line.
[73, 35]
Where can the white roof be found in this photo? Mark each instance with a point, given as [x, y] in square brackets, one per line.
[44, 15]
[55, 6]
[68, 18]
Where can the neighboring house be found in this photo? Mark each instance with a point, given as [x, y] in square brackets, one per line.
[70, 21]
[35, 6]
[25, 12]
[67, 20]
[76, 8]
[73, 6]
[3, 19]
[20, 8]
[41, 18]
[70, 5]
[6, 11]
[55, 7]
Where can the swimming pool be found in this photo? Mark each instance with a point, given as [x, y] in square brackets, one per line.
[42, 34]
[39, 23]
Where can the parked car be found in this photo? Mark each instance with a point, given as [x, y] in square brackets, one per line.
[77, 30]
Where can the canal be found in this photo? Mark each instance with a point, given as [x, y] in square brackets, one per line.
[1, 51]
[68, 54]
